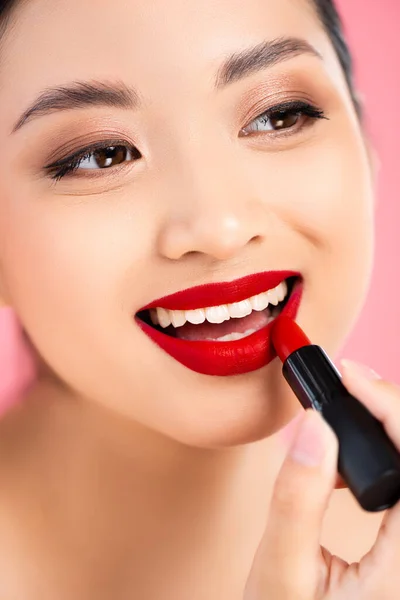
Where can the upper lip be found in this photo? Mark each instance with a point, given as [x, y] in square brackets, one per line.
[215, 294]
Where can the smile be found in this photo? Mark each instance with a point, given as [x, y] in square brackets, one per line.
[223, 329]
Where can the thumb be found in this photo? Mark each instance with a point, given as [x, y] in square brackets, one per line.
[287, 564]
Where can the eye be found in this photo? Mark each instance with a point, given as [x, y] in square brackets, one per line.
[97, 157]
[288, 116]
[106, 158]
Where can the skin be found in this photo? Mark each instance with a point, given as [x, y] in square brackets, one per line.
[139, 465]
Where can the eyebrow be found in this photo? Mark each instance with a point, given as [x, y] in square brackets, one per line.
[79, 95]
[86, 94]
[260, 57]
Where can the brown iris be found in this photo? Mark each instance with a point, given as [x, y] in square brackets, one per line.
[284, 120]
[111, 156]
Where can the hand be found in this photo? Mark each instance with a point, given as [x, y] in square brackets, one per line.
[290, 564]
[17, 364]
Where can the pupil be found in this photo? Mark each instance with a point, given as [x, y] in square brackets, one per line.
[111, 156]
[285, 121]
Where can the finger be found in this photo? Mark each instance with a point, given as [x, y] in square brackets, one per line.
[17, 366]
[287, 435]
[381, 397]
[288, 558]
[385, 553]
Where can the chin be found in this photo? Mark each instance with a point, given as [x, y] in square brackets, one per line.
[230, 435]
[251, 421]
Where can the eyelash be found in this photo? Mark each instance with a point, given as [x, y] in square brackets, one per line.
[295, 108]
[70, 164]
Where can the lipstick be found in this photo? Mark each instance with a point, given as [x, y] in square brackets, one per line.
[368, 460]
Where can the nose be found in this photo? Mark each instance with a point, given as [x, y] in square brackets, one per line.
[214, 212]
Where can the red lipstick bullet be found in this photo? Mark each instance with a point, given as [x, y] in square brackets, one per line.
[368, 460]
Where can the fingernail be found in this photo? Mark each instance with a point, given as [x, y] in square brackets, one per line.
[309, 445]
[358, 370]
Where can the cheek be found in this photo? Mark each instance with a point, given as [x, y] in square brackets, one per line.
[335, 203]
[340, 223]
[342, 228]
[66, 263]
[325, 198]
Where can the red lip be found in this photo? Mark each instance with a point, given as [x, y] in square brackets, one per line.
[224, 358]
[215, 294]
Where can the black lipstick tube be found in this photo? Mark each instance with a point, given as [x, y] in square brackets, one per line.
[369, 462]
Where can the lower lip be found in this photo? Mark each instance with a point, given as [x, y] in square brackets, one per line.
[225, 359]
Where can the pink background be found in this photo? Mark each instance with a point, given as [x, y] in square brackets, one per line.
[374, 34]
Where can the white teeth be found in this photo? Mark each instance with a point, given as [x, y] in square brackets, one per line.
[238, 310]
[163, 317]
[178, 317]
[260, 302]
[278, 294]
[233, 336]
[273, 297]
[196, 317]
[219, 314]
[282, 291]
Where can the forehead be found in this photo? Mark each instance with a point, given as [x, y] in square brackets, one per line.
[149, 44]
[62, 33]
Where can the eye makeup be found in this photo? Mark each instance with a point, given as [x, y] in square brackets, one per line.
[295, 114]
[292, 111]
[282, 106]
[118, 149]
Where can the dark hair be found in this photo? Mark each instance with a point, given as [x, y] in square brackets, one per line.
[6, 6]
[332, 23]
[328, 16]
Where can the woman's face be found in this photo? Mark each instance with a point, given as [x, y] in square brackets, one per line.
[206, 185]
